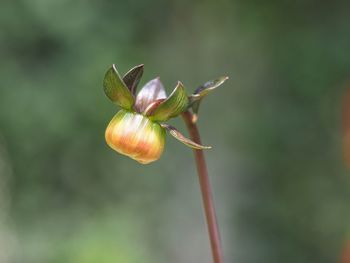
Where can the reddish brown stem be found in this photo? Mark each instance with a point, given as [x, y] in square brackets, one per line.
[205, 189]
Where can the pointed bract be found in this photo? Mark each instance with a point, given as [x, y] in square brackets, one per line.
[175, 104]
[210, 85]
[174, 132]
[152, 91]
[132, 78]
[204, 90]
[116, 90]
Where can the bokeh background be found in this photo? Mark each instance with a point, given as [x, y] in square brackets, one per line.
[281, 187]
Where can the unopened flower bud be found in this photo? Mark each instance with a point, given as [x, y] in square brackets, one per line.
[138, 130]
[136, 136]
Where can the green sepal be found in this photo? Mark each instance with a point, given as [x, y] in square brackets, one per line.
[204, 90]
[177, 135]
[116, 90]
[175, 104]
[132, 78]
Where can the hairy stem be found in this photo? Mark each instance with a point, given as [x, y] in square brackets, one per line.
[205, 187]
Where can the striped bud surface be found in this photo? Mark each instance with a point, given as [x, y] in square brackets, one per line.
[136, 136]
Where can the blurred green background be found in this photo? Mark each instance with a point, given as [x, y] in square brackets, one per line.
[281, 189]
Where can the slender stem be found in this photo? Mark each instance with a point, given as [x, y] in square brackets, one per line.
[208, 203]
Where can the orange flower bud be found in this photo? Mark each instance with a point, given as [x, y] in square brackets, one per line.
[136, 136]
[135, 131]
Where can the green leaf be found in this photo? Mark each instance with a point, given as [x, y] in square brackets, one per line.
[116, 90]
[132, 78]
[176, 103]
[204, 90]
[174, 132]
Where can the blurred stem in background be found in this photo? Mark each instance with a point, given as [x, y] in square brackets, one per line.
[208, 202]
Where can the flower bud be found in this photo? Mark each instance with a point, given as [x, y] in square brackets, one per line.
[136, 136]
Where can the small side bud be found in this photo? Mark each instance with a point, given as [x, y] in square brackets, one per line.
[194, 118]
